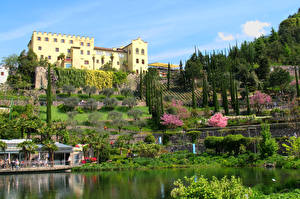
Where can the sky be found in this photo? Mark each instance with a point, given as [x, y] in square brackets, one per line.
[172, 28]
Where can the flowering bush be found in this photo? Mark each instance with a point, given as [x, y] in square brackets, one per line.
[171, 121]
[89, 160]
[259, 100]
[178, 108]
[217, 120]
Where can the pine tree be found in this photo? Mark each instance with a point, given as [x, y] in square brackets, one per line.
[169, 76]
[49, 97]
[205, 92]
[248, 102]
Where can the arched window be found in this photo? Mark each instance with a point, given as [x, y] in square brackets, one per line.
[137, 51]
[143, 51]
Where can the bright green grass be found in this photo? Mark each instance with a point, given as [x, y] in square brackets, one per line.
[82, 117]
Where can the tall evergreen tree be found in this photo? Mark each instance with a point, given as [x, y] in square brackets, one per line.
[141, 84]
[169, 76]
[215, 96]
[247, 100]
[297, 83]
[49, 96]
[237, 103]
[193, 94]
[232, 93]
[205, 92]
[224, 97]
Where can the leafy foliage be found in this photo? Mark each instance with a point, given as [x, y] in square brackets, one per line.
[200, 187]
[268, 145]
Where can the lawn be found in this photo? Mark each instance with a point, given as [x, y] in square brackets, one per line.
[82, 117]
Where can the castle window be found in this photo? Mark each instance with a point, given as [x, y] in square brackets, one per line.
[62, 41]
[143, 51]
[2, 73]
[118, 63]
[102, 61]
[137, 61]
[71, 41]
[81, 52]
[81, 43]
[42, 56]
[137, 51]
[69, 50]
[46, 39]
[40, 48]
[88, 44]
[55, 39]
[86, 62]
[97, 61]
[39, 38]
[88, 52]
[143, 61]
[49, 57]
[129, 52]
[56, 49]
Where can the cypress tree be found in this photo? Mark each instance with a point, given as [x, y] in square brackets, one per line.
[141, 84]
[169, 76]
[237, 103]
[247, 99]
[224, 97]
[297, 83]
[193, 93]
[205, 92]
[232, 93]
[215, 97]
[49, 97]
[182, 75]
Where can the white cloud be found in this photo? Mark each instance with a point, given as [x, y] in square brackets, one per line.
[223, 37]
[255, 28]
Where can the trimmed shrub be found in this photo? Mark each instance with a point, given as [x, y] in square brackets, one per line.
[110, 103]
[149, 139]
[215, 143]
[129, 101]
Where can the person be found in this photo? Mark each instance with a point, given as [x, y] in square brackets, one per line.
[13, 164]
[17, 164]
[2, 163]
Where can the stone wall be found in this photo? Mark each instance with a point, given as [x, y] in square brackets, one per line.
[40, 78]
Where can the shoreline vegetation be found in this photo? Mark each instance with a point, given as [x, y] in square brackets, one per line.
[189, 160]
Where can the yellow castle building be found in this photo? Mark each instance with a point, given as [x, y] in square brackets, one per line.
[81, 53]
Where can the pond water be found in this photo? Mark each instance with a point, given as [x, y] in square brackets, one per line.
[133, 184]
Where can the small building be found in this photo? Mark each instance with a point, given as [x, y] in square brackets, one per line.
[61, 156]
[162, 68]
[3, 74]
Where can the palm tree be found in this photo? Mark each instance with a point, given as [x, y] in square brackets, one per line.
[27, 147]
[62, 58]
[49, 145]
[100, 145]
[3, 146]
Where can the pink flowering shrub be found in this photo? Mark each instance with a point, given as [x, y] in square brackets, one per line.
[293, 83]
[259, 100]
[171, 121]
[218, 120]
[181, 111]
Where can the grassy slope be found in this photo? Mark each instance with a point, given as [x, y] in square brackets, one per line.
[81, 117]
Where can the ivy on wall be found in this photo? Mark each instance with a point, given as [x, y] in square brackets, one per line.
[80, 78]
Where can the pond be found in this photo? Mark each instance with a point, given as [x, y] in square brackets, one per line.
[134, 184]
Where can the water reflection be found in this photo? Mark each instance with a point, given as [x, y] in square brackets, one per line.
[131, 184]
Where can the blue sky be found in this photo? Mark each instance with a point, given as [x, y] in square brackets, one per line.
[171, 27]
